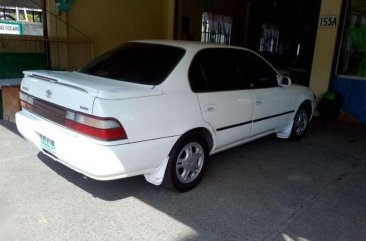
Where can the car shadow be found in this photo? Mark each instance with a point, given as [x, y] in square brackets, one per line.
[233, 160]
[106, 190]
[133, 186]
[10, 126]
[258, 186]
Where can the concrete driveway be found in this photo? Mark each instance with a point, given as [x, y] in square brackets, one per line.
[270, 189]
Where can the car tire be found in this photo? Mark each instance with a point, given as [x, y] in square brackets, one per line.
[187, 163]
[301, 122]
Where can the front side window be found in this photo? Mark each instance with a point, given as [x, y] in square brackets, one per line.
[141, 63]
[256, 71]
[214, 70]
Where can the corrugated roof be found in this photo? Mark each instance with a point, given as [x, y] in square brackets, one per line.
[22, 3]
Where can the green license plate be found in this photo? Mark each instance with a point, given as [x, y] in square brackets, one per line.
[48, 144]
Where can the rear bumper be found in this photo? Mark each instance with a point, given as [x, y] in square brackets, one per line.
[87, 156]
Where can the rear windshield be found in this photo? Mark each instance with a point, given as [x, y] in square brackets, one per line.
[148, 64]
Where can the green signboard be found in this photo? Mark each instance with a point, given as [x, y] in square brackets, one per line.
[7, 27]
[64, 5]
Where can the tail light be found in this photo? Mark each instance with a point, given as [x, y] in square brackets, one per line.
[105, 129]
[26, 101]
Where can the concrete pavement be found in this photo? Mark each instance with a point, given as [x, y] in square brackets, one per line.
[271, 189]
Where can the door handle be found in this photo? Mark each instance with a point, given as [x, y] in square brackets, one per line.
[259, 101]
[209, 108]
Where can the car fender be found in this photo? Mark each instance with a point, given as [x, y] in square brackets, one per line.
[302, 94]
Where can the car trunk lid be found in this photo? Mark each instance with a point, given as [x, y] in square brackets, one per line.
[78, 91]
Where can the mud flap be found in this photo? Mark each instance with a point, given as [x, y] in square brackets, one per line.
[285, 132]
[157, 176]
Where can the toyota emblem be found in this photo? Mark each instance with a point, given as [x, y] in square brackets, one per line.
[49, 94]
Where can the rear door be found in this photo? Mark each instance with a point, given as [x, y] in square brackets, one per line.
[272, 104]
[225, 100]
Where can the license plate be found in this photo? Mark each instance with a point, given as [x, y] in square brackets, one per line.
[48, 144]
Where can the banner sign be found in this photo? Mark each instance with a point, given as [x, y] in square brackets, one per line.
[11, 28]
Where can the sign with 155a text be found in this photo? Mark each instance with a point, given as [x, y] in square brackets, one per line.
[11, 28]
[328, 21]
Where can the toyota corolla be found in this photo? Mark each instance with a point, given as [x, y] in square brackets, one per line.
[159, 109]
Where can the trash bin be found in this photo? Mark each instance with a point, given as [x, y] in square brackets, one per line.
[330, 106]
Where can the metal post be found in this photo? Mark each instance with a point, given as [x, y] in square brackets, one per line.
[25, 14]
[45, 35]
[17, 13]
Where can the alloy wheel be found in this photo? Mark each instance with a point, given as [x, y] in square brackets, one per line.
[190, 162]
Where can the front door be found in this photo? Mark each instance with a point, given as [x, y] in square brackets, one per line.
[272, 109]
[272, 104]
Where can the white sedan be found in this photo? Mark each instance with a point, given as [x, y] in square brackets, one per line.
[159, 109]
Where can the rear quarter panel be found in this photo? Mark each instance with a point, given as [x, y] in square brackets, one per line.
[147, 118]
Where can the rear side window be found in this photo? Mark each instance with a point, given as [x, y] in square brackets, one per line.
[141, 63]
[214, 70]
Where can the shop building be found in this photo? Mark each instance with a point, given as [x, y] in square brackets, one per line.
[319, 43]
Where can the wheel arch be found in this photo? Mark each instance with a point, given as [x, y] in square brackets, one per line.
[285, 133]
[308, 107]
[171, 178]
[204, 133]
[159, 176]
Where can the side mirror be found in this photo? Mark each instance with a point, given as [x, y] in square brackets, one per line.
[285, 81]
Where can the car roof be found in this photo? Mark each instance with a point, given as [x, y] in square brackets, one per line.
[188, 44]
[195, 46]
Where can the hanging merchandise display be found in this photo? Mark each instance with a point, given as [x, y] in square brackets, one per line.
[216, 28]
[269, 38]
